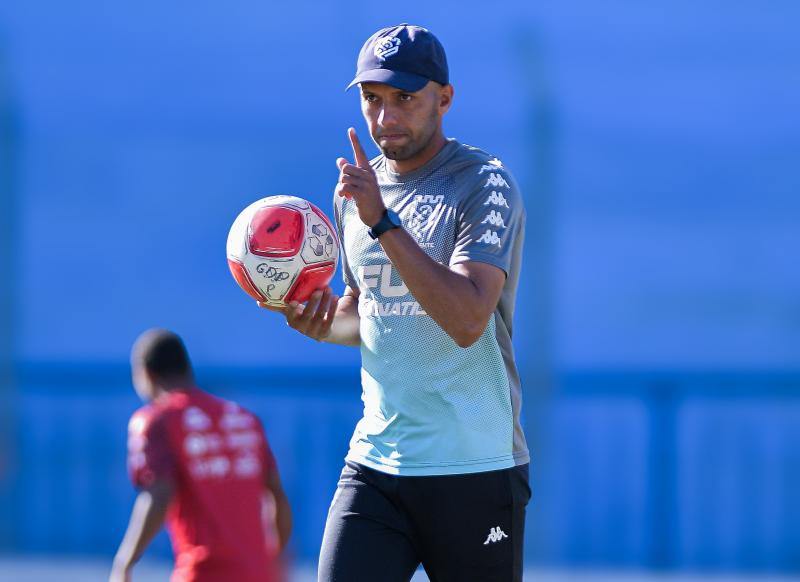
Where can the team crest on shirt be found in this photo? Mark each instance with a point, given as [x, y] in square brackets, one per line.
[425, 210]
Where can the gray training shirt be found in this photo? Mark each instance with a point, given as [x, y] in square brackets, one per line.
[430, 406]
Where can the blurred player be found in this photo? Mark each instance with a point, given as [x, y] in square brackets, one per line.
[432, 232]
[203, 465]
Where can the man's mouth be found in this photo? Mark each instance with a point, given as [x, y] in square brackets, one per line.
[391, 136]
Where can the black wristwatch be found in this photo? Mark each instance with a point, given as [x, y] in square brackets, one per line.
[388, 221]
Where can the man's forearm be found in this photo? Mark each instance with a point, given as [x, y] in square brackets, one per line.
[147, 518]
[345, 329]
[283, 519]
[451, 299]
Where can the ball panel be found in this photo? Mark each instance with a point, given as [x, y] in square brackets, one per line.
[273, 277]
[327, 221]
[321, 245]
[310, 279]
[236, 246]
[243, 279]
[285, 200]
[276, 231]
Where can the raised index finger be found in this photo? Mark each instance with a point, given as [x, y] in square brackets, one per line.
[362, 161]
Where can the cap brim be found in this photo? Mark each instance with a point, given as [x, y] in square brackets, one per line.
[405, 81]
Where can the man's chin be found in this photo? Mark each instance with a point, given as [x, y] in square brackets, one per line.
[397, 154]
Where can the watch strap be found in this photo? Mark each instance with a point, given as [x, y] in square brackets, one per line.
[384, 224]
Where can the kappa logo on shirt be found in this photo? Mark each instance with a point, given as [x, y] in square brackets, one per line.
[497, 199]
[491, 166]
[495, 219]
[196, 419]
[247, 466]
[387, 47]
[235, 419]
[196, 444]
[204, 468]
[496, 181]
[490, 238]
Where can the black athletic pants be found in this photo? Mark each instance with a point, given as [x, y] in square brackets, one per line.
[461, 528]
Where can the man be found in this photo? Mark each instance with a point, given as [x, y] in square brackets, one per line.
[203, 465]
[431, 231]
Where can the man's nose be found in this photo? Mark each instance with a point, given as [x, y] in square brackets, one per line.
[387, 117]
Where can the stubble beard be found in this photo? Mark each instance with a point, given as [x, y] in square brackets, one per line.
[407, 151]
[414, 146]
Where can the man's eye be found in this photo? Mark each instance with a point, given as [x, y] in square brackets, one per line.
[370, 98]
[406, 97]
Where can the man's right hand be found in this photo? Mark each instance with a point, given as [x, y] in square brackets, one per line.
[313, 319]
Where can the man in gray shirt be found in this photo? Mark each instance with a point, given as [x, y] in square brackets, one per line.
[431, 232]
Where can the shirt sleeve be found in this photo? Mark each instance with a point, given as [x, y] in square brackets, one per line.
[490, 218]
[150, 457]
[347, 274]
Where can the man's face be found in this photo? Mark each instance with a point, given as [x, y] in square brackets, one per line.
[400, 122]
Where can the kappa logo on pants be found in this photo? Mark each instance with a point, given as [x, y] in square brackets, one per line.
[495, 535]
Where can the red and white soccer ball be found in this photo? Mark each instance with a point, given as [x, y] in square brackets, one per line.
[282, 249]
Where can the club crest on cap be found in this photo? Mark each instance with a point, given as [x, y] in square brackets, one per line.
[387, 47]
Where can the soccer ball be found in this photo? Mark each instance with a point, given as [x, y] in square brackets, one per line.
[282, 249]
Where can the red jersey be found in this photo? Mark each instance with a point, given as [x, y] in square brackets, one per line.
[217, 455]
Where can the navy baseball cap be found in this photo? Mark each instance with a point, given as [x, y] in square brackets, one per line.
[403, 56]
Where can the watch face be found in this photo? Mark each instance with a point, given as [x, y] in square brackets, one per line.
[389, 221]
[393, 217]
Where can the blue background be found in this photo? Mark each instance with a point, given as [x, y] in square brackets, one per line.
[658, 317]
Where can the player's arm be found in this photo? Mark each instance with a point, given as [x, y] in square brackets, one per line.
[325, 317]
[147, 518]
[283, 511]
[460, 298]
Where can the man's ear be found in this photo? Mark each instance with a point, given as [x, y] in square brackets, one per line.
[446, 97]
